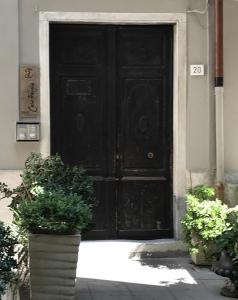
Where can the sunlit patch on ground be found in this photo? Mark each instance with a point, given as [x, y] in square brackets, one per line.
[113, 263]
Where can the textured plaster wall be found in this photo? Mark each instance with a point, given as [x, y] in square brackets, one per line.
[11, 153]
[19, 30]
[21, 46]
[231, 89]
[200, 111]
[231, 100]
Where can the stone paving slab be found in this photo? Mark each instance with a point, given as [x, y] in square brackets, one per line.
[110, 290]
[112, 275]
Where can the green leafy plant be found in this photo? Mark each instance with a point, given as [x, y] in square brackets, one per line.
[227, 245]
[205, 219]
[7, 261]
[67, 190]
[54, 212]
[52, 198]
[203, 192]
[228, 240]
[50, 173]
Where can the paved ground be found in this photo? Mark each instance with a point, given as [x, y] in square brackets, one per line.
[106, 272]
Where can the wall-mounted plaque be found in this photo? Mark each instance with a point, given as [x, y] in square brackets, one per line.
[29, 91]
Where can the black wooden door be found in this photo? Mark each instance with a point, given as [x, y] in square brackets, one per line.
[111, 111]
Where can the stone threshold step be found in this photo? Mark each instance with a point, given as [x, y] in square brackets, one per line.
[138, 249]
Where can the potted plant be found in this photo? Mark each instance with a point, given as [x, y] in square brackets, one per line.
[204, 221]
[227, 265]
[54, 221]
[8, 262]
[51, 207]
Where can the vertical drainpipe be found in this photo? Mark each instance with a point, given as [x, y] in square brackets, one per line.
[219, 89]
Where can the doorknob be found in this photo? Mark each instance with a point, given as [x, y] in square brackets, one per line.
[150, 155]
[118, 156]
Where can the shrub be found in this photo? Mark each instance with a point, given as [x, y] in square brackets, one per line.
[54, 212]
[52, 198]
[227, 244]
[205, 219]
[63, 187]
[203, 192]
[51, 173]
[7, 260]
[229, 239]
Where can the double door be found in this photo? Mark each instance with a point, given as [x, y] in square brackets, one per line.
[111, 111]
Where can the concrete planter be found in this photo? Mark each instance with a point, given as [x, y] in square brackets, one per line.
[201, 260]
[53, 263]
[204, 259]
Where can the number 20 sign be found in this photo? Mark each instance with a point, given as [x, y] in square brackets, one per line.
[197, 70]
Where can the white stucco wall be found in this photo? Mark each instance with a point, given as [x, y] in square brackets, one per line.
[19, 31]
[20, 40]
[199, 112]
[231, 89]
[12, 154]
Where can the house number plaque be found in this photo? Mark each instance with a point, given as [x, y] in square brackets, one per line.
[29, 91]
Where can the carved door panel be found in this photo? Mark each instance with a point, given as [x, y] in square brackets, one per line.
[145, 93]
[111, 111]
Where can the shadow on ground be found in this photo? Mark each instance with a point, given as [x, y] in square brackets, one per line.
[94, 289]
[164, 279]
[108, 271]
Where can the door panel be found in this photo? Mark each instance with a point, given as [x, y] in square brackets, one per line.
[142, 208]
[81, 105]
[141, 47]
[81, 47]
[111, 111]
[103, 223]
[142, 115]
[145, 131]
[78, 72]
[80, 112]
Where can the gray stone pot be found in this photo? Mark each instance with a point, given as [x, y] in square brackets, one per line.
[53, 263]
